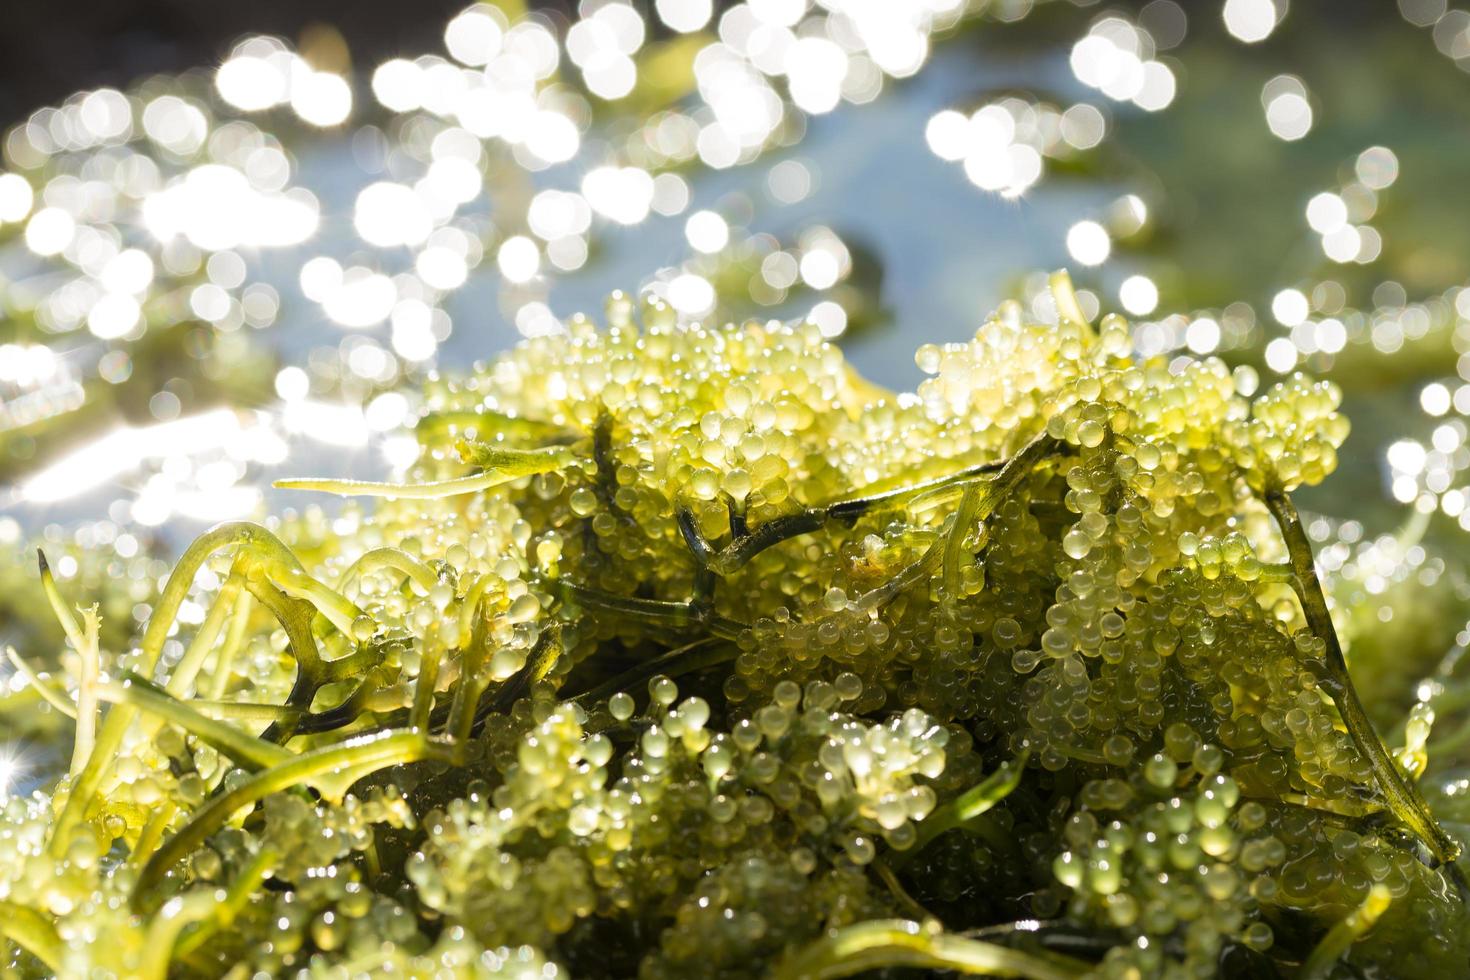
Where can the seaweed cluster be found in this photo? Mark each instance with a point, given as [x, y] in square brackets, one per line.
[685, 651]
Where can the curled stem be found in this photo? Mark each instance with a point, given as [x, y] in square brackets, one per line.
[395, 558]
[243, 534]
[263, 547]
[42, 684]
[972, 803]
[886, 943]
[339, 611]
[1402, 796]
[294, 615]
[329, 769]
[1342, 936]
[738, 553]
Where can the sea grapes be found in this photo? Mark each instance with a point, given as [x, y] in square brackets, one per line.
[685, 651]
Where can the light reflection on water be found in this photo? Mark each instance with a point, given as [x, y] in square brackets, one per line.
[946, 251]
[490, 205]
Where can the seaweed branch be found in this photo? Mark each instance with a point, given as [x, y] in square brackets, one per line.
[746, 543]
[327, 768]
[1342, 936]
[1402, 796]
[498, 467]
[970, 804]
[891, 943]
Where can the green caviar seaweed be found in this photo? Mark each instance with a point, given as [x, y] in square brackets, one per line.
[687, 652]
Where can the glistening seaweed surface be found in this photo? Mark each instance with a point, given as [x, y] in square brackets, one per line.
[687, 652]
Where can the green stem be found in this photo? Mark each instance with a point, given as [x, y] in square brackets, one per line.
[970, 804]
[851, 508]
[1342, 936]
[325, 768]
[702, 653]
[886, 943]
[472, 682]
[203, 642]
[248, 711]
[395, 558]
[424, 686]
[241, 890]
[69, 624]
[295, 616]
[906, 902]
[744, 547]
[538, 664]
[738, 553]
[245, 750]
[911, 574]
[657, 612]
[91, 669]
[515, 463]
[954, 545]
[152, 833]
[249, 537]
[337, 608]
[32, 932]
[1402, 796]
[485, 422]
[224, 662]
[1065, 297]
[469, 608]
[1016, 469]
[83, 637]
[164, 929]
[42, 684]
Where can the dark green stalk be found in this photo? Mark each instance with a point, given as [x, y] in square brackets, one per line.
[706, 652]
[1402, 796]
[654, 612]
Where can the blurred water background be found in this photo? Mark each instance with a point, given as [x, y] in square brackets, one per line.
[1281, 185]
